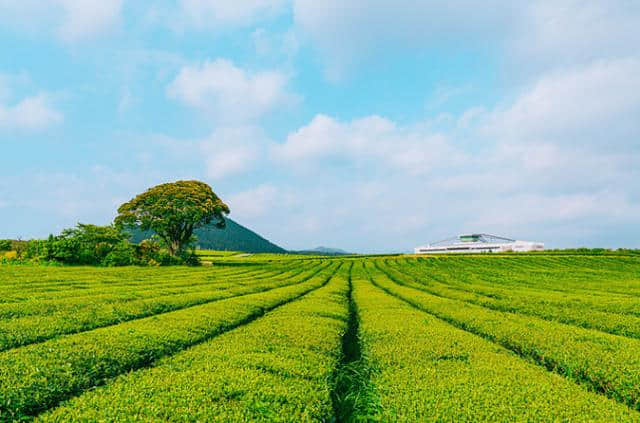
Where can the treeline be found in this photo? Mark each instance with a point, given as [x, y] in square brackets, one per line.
[95, 245]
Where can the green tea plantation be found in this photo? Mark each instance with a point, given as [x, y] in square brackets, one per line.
[530, 337]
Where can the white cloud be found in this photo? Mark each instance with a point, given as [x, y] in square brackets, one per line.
[597, 218]
[230, 160]
[562, 161]
[229, 93]
[225, 152]
[255, 202]
[84, 19]
[70, 20]
[213, 13]
[31, 113]
[572, 132]
[347, 32]
[281, 46]
[229, 151]
[558, 163]
[570, 32]
[369, 139]
[540, 34]
[596, 104]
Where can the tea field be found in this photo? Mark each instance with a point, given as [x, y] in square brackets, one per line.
[541, 337]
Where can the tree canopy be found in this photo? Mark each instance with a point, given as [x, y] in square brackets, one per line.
[84, 244]
[173, 211]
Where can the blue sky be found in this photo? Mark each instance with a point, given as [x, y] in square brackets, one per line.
[371, 126]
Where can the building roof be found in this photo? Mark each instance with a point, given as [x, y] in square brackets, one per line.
[473, 238]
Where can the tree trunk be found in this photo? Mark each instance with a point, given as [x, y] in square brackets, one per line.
[174, 248]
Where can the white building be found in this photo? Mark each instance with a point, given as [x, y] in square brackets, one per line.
[479, 243]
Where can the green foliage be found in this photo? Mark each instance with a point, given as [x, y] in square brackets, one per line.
[428, 370]
[598, 360]
[276, 369]
[102, 246]
[5, 244]
[71, 364]
[121, 254]
[267, 337]
[84, 244]
[616, 315]
[48, 319]
[172, 211]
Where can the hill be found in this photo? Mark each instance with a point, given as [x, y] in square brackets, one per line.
[234, 237]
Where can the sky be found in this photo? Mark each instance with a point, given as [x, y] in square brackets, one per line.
[372, 126]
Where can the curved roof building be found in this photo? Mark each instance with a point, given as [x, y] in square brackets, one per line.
[479, 243]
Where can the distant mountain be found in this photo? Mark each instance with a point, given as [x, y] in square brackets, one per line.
[327, 251]
[234, 237]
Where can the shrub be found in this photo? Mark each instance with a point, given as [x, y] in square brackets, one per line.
[122, 254]
[101, 246]
[84, 244]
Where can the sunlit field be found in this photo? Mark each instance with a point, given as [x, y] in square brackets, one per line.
[300, 338]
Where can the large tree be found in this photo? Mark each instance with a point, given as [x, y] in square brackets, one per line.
[173, 211]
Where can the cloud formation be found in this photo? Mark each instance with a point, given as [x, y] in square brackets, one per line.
[210, 14]
[552, 33]
[256, 202]
[30, 113]
[514, 118]
[232, 150]
[597, 104]
[88, 19]
[372, 140]
[70, 20]
[537, 35]
[228, 93]
[345, 33]
[558, 161]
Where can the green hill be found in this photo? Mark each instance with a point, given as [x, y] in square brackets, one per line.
[234, 237]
